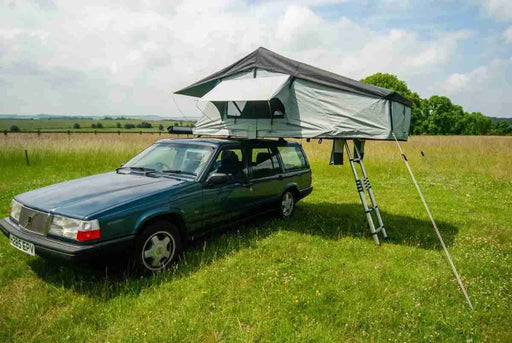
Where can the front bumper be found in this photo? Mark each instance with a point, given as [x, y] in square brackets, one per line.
[47, 246]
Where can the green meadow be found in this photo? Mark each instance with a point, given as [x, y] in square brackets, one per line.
[318, 277]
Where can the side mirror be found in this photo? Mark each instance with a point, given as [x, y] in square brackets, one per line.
[215, 179]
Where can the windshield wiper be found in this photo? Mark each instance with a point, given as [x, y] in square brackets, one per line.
[167, 172]
[142, 169]
[170, 171]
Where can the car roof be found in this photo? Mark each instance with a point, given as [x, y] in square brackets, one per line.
[224, 141]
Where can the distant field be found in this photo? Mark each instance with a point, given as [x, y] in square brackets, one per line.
[85, 124]
[315, 278]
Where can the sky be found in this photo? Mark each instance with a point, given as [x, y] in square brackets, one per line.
[100, 57]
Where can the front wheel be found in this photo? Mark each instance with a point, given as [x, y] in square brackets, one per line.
[157, 247]
[287, 205]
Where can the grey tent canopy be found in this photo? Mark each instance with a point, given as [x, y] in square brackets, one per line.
[267, 95]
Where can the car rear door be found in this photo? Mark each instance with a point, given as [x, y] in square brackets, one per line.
[265, 175]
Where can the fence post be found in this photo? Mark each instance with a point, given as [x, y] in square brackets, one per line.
[5, 132]
[118, 132]
[26, 158]
[38, 133]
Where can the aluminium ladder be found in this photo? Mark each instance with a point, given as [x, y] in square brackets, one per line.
[361, 187]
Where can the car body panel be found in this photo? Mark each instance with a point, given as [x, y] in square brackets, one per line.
[123, 203]
[82, 198]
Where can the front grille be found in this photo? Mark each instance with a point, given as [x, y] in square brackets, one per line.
[34, 221]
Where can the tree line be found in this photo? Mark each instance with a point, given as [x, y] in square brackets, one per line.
[437, 115]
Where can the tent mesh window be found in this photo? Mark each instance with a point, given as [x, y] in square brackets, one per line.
[252, 109]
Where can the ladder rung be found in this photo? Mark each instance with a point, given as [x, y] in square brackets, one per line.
[377, 230]
[371, 209]
[356, 160]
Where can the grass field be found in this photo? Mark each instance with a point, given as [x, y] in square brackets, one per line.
[316, 277]
[58, 124]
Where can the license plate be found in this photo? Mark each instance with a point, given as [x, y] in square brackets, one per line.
[22, 245]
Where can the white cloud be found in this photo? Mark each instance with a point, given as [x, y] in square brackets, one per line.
[125, 58]
[485, 89]
[499, 9]
[507, 35]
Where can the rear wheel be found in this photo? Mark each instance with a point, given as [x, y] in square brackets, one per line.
[157, 247]
[287, 205]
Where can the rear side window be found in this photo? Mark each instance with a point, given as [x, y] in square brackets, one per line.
[292, 157]
[264, 163]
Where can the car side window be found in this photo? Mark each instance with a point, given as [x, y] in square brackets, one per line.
[230, 161]
[264, 163]
[292, 157]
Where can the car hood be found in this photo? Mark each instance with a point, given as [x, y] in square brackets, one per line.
[89, 195]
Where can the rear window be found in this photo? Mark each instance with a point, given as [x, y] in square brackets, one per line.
[292, 157]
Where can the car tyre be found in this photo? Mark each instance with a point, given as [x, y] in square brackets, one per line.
[287, 204]
[157, 247]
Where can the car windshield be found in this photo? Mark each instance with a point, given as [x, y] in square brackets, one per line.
[168, 158]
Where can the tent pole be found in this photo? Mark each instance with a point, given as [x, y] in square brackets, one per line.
[448, 256]
[271, 114]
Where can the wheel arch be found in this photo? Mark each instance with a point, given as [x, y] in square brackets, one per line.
[292, 187]
[174, 216]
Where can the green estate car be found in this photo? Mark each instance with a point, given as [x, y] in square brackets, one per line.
[173, 191]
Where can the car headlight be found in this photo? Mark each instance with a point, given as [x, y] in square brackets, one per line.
[76, 229]
[15, 210]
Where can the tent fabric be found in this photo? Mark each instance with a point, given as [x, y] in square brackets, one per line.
[252, 89]
[309, 103]
[265, 59]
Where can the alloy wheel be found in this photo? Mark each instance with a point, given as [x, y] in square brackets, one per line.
[158, 250]
[287, 204]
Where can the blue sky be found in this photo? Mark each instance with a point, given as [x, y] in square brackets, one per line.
[126, 57]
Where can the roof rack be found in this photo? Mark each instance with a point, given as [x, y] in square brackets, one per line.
[179, 130]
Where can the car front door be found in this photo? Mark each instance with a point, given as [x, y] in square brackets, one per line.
[227, 201]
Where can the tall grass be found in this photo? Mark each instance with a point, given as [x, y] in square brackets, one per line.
[316, 277]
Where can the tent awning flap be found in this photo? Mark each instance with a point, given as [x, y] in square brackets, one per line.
[254, 89]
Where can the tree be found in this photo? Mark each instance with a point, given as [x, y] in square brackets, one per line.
[129, 126]
[144, 125]
[118, 125]
[76, 126]
[476, 124]
[501, 127]
[14, 128]
[392, 82]
[160, 127]
[443, 117]
[99, 126]
[93, 126]
[388, 81]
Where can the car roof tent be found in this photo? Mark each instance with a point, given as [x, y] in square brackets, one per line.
[266, 95]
